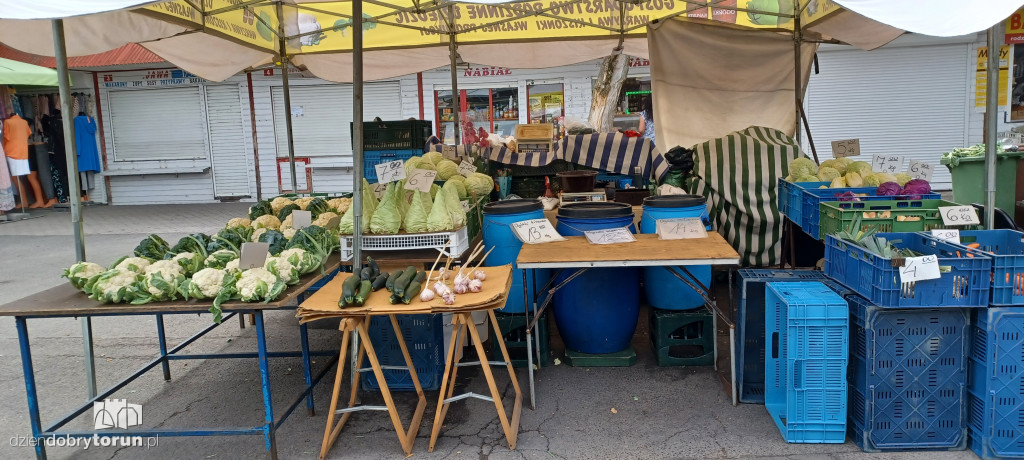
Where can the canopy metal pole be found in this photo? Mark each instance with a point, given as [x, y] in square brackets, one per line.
[282, 43]
[75, 194]
[453, 55]
[357, 158]
[992, 123]
[797, 84]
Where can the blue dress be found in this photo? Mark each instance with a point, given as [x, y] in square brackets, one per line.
[648, 127]
[85, 144]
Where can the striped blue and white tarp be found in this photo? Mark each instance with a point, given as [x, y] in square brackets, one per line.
[738, 173]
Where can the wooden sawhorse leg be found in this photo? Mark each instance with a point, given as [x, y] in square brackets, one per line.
[464, 320]
[405, 437]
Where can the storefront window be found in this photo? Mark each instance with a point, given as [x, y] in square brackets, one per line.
[634, 90]
[493, 109]
[547, 104]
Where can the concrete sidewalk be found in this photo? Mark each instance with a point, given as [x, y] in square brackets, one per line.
[643, 411]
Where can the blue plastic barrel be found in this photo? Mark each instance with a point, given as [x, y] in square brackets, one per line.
[597, 311]
[663, 289]
[498, 218]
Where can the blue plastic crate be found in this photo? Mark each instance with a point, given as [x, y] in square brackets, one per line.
[376, 157]
[807, 332]
[813, 197]
[748, 295]
[790, 202]
[1006, 248]
[966, 284]
[908, 377]
[996, 383]
[423, 338]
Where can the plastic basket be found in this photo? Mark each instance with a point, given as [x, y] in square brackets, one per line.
[812, 199]
[807, 334]
[996, 383]
[838, 215]
[373, 158]
[423, 339]
[1006, 248]
[966, 284]
[790, 202]
[908, 377]
[748, 297]
[402, 241]
[395, 135]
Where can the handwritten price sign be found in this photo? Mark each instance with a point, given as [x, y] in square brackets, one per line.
[378, 189]
[920, 269]
[421, 180]
[448, 151]
[921, 170]
[390, 172]
[610, 236]
[959, 215]
[683, 228]
[536, 231]
[891, 164]
[846, 148]
[466, 168]
[951, 235]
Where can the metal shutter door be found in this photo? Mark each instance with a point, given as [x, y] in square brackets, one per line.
[158, 124]
[909, 101]
[227, 141]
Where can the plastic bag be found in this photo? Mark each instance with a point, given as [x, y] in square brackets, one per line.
[576, 126]
[674, 178]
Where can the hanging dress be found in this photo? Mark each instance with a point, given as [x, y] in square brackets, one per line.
[85, 142]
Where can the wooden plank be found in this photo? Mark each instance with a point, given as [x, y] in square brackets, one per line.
[647, 250]
[65, 300]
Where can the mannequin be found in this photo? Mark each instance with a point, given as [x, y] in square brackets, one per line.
[15, 141]
[88, 153]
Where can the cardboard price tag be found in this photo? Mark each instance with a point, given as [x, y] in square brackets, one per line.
[610, 236]
[465, 205]
[682, 228]
[254, 255]
[535, 231]
[891, 164]
[959, 215]
[920, 269]
[949, 234]
[448, 150]
[921, 170]
[846, 148]
[390, 172]
[466, 168]
[420, 180]
[378, 189]
[301, 219]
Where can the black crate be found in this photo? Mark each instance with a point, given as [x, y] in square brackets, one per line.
[513, 330]
[395, 134]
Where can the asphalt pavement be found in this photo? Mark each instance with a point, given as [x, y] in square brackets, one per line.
[642, 412]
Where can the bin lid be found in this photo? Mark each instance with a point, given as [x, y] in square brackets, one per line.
[595, 210]
[674, 201]
[513, 206]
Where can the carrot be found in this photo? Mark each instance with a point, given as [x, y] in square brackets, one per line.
[974, 245]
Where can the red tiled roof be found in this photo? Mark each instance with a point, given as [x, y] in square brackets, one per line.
[129, 54]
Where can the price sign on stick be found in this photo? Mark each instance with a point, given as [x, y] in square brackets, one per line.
[301, 219]
[683, 228]
[959, 215]
[448, 151]
[921, 170]
[421, 180]
[378, 189]
[920, 269]
[390, 171]
[253, 255]
[891, 164]
[846, 148]
[609, 236]
[948, 234]
[536, 231]
[465, 205]
[466, 168]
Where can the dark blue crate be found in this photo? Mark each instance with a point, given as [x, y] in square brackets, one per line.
[996, 382]
[813, 197]
[320, 284]
[423, 338]
[807, 333]
[1006, 248]
[376, 157]
[789, 194]
[908, 377]
[874, 277]
[748, 292]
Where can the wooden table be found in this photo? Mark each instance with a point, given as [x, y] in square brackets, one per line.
[65, 301]
[647, 251]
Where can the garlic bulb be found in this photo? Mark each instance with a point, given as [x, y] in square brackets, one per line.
[476, 285]
[461, 288]
[427, 295]
[480, 275]
[448, 297]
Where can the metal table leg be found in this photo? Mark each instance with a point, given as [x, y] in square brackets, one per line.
[163, 347]
[529, 342]
[307, 368]
[30, 384]
[269, 436]
[90, 357]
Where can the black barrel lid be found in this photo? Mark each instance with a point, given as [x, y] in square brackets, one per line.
[595, 210]
[674, 201]
[512, 206]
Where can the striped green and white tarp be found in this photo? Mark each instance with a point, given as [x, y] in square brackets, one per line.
[738, 174]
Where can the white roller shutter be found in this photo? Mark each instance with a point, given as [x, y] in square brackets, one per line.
[909, 101]
[158, 124]
[322, 113]
[227, 141]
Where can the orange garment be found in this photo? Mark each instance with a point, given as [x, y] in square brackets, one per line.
[16, 134]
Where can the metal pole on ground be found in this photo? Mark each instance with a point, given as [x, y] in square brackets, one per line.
[75, 194]
[992, 123]
[283, 51]
[357, 157]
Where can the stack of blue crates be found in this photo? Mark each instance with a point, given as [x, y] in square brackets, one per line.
[424, 339]
[387, 141]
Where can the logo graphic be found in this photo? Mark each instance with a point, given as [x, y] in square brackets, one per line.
[116, 413]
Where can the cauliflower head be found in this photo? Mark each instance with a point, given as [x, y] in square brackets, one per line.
[257, 233]
[267, 221]
[283, 269]
[78, 274]
[239, 222]
[232, 266]
[288, 232]
[208, 282]
[258, 284]
[135, 264]
[324, 218]
[280, 202]
[339, 204]
[113, 285]
[189, 262]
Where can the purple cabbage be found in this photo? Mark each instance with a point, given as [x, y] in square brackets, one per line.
[914, 188]
[889, 189]
[846, 196]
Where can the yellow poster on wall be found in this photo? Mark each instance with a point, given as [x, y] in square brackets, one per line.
[981, 79]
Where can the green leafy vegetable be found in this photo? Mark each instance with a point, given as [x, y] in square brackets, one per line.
[276, 239]
[261, 208]
[153, 247]
[287, 211]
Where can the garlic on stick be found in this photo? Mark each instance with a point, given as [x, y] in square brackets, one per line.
[461, 288]
[476, 285]
[427, 295]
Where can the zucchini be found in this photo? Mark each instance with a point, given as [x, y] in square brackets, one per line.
[390, 284]
[399, 288]
[366, 274]
[412, 291]
[364, 292]
[373, 265]
[395, 299]
[348, 289]
[379, 281]
[420, 277]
